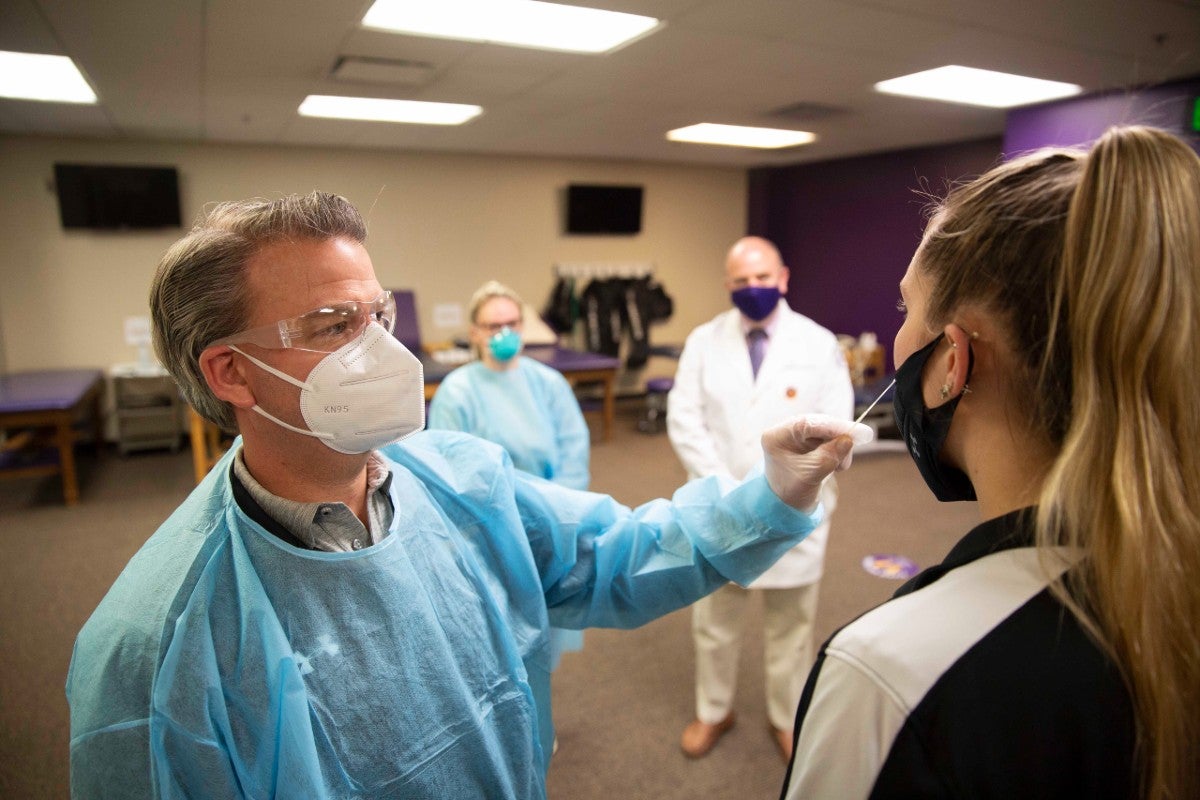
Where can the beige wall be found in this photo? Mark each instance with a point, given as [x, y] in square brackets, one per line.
[439, 224]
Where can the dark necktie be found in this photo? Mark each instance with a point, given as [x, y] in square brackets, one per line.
[758, 348]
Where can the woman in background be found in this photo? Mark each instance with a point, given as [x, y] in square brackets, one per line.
[1047, 367]
[527, 408]
[521, 404]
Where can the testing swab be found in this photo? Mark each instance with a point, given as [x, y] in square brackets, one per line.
[862, 434]
[863, 415]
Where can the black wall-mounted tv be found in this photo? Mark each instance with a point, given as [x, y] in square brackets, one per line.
[117, 196]
[604, 209]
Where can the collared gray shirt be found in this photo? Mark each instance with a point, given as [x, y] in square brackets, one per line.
[331, 527]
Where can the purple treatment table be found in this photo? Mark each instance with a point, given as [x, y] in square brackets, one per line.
[52, 399]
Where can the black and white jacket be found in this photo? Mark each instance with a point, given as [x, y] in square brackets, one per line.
[973, 681]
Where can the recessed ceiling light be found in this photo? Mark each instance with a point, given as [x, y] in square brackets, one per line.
[977, 87]
[34, 76]
[522, 23]
[376, 110]
[740, 136]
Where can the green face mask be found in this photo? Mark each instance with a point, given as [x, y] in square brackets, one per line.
[505, 344]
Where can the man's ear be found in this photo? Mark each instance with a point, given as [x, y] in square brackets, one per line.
[958, 360]
[223, 372]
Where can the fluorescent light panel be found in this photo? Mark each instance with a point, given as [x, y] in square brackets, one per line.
[977, 87]
[34, 76]
[375, 110]
[522, 23]
[740, 136]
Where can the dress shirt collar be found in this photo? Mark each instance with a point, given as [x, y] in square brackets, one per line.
[327, 526]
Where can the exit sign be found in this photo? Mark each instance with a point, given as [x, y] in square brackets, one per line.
[1196, 114]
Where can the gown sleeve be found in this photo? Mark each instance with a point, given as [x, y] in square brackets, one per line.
[603, 564]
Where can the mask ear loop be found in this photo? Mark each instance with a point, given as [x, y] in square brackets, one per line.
[283, 376]
[267, 367]
[256, 407]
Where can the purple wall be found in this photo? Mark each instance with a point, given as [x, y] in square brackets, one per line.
[1079, 120]
[848, 228]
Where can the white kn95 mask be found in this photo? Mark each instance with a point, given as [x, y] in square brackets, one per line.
[367, 394]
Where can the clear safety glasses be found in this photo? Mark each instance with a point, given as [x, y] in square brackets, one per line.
[323, 330]
[492, 328]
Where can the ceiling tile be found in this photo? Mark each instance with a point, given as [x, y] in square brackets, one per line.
[235, 71]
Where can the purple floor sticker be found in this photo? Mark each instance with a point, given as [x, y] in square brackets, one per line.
[887, 565]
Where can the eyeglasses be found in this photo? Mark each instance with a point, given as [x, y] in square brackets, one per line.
[323, 330]
[492, 328]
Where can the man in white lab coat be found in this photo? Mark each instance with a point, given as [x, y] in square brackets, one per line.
[744, 371]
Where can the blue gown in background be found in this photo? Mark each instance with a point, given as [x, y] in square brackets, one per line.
[530, 411]
[226, 663]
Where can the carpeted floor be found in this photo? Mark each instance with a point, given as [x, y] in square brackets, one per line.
[620, 704]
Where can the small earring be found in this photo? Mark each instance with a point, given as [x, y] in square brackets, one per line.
[966, 389]
[945, 391]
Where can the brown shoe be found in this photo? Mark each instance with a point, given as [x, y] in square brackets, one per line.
[783, 740]
[700, 737]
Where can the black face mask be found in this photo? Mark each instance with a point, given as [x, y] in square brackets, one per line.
[925, 429]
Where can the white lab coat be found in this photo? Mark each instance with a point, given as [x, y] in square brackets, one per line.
[717, 410]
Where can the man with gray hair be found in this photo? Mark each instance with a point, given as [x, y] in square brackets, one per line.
[333, 614]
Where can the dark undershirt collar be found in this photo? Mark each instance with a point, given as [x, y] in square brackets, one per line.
[254, 511]
[1012, 530]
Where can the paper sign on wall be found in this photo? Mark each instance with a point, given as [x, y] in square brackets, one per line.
[137, 330]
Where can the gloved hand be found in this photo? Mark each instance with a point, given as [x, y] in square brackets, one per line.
[801, 453]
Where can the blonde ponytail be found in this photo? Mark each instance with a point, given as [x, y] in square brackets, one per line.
[1125, 488]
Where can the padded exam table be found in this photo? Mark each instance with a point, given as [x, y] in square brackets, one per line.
[49, 399]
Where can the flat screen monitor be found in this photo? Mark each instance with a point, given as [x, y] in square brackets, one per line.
[593, 209]
[117, 196]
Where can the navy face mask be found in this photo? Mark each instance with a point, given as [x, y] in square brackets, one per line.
[756, 302]
[925, 429]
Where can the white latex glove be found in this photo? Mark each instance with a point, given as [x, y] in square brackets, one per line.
[804, 451]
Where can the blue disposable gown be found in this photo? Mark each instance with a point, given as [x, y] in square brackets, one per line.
[529, 410]
[226, 663]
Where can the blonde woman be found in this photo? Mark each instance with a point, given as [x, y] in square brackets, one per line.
[1046, 367]
[521, 404]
